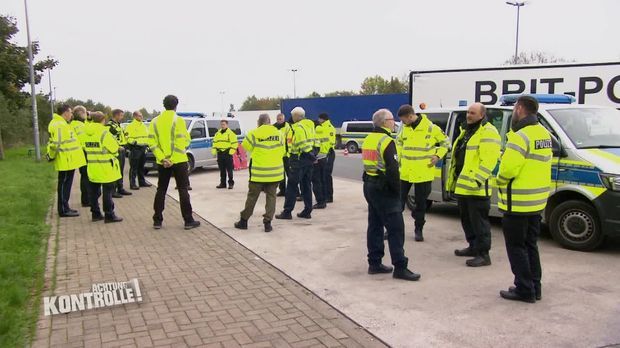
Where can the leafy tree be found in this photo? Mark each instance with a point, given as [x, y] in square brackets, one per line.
[535, 57]
[314, 94]
[267, 103]
[378, 85]
[231, 108]
[340, 94]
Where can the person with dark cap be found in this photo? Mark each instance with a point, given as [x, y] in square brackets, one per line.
[329, 137]
[285, 128]
[117, 131]
[169, 139]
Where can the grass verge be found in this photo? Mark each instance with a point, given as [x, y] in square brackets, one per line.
[25, 198]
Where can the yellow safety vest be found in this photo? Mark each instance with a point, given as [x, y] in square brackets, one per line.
[524, 177]
[481, 155]
[267, 149]
[63, 146]
[322, 140]
[101, 149]
[416, 147]
[226, 141]
[78, 127]
[137, 133]
[168, 137]
[302, 137]
[286, 137]
[118, 132]
[372, 152]
[330, 131]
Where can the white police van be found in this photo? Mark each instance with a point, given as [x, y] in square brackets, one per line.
[201, 131]
[584, 202]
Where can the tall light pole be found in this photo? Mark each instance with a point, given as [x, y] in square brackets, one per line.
[222, 96]
[294, 70]
[518, 5]
[49, 77]
[33, 95]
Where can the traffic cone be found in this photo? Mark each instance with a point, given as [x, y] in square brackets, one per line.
[346, 152]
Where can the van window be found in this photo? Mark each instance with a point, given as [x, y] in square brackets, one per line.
[213, 126]
[234, 126]
[359, 127]
[198, 130]
[439, 118]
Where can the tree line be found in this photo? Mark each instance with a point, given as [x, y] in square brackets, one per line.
[371, 85]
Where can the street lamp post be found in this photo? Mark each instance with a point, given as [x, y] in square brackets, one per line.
[33, 95]
[294, 70]
[222, 105]
[49, 77]
[518, 5]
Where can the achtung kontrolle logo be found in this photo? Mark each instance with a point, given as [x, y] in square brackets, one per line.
[101, 295]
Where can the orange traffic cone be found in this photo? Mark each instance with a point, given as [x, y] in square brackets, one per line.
[346, 152]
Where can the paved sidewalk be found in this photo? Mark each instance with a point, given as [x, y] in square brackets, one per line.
[200, 287]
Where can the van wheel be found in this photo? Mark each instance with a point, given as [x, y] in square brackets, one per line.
[352, 147]
[575, 225]
[190, 164]
[411, 203]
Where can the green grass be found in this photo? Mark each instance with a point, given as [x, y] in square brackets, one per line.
[26, 193]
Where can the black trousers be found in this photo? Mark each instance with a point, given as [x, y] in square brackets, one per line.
[300, 175]
[84, 185]
[318, 186]
[108, 204]
[474, 213]
[181, 176]
[384, 211]
[287, 170]
[521, 234]
[225, 163]
[327, 175]
[65, 181]
[422, 191]
[137, 159]
[121, 162]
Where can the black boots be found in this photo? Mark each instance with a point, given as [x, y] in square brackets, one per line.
[221, 186]
[267, 225]
[378, 269]
[241, 224]
[418, 235]
[112, 218]
[514, 296]
[284, 215]
[405, 274]
[482, 259]
[465, 252]
[191, 224]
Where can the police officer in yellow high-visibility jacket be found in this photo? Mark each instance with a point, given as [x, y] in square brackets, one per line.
[474, 157]
[137, 142]
[421, 144]
[318, 170]
[302, 157]
[224, 146]
[328, 144]
[524, 181]
[266, 148]
[65, 151]
[78, 123]
[104, 170]
[285, 129]
[168, 139]
[382, 193]
[115, 128]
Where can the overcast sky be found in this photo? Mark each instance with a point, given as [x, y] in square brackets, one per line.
[130, 53]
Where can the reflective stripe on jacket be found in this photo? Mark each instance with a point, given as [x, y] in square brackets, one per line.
[63, 146]
[168, 137]
[101, 149]
[266, 146]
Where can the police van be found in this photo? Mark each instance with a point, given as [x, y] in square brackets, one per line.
[201, 131]
[584, 201]
[353, 133]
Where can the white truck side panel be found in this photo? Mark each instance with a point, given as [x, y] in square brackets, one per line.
[597, 84]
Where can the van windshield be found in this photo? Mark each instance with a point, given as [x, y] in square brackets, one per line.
[590, 128]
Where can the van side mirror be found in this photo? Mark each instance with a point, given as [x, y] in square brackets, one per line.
[557, 149]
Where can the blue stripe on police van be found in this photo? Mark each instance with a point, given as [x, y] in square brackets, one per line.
[577, 175]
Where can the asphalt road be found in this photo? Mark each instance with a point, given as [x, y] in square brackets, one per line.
[348, 167]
